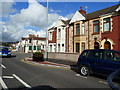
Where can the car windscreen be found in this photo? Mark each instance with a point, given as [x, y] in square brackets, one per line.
[4, 49]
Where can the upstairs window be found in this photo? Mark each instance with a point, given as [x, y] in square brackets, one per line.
[30, 40]
[83, 29]
[59, 33]
[78, 29]
[96, 27]
[50, 36]
[106, 24]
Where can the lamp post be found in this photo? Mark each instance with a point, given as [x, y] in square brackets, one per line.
[46, 51]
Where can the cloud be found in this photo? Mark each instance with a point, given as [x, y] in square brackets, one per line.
[69, 16]
[33, 16]
[6, 8]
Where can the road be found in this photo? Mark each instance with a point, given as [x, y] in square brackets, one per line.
[19, 75]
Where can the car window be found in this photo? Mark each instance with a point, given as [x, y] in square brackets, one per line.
[85, 53]
[113, 56]
[97, 54]
[4, 49]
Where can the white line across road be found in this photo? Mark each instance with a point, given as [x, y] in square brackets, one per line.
[2, 66]
[24, 83]
[3, 84]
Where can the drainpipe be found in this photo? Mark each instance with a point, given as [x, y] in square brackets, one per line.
[88, 36]
[73, 37]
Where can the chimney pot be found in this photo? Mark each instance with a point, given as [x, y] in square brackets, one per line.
[80, 8]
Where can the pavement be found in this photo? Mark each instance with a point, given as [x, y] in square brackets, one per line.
[50, 63]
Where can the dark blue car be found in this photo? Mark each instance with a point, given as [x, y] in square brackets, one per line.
[4, 51]
[100, 61]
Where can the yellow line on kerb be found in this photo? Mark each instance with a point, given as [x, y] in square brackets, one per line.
[44, 66]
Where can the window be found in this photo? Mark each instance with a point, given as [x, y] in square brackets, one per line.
[50, 36]
[112, 56]
[38, 47]
[62, 47]
[30, 40]
[83, 29]
[36, 42]
[106, 23]
[30, 47]
[77, 47]
[84, 54]
[58, 47]
[78, 29]
[96, 27]
[83, 46]
[97, 54]
[50, 48]
[34, 47]
[59, 33]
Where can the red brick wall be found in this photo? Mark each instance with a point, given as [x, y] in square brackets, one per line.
[115, 34]
[67, 40]
[53, 37]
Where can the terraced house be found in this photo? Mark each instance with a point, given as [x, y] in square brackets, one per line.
[97, 30]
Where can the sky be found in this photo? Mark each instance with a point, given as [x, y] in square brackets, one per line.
[18, 19]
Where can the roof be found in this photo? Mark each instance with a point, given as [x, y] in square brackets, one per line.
[101, 12]
[66, 22]
[51, 28]
[34, 38]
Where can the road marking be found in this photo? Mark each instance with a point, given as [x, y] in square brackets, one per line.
[36, 64]
[8, 77]
[78, 75]
[3, 66]
[24, 83]
[4, 86]
[103, 82]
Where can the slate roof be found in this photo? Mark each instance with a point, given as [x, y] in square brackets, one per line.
[101, 12]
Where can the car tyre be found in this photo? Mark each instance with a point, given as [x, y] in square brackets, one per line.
[84, 70]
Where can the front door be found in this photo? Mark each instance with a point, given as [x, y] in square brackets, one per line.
[107, 45]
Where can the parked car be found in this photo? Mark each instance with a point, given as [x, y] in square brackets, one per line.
[4, 51]
[100, 61]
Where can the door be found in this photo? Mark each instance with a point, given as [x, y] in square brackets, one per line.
[107, 45]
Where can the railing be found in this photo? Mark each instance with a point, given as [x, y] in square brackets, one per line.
[111, 77]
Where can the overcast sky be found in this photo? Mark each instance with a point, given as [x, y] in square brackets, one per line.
[18, 19]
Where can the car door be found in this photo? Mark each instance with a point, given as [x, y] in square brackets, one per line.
[111, 61]
[96, 61]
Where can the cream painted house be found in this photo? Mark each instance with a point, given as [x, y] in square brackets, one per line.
[32, 44]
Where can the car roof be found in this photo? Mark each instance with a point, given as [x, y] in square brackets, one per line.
[101, 50]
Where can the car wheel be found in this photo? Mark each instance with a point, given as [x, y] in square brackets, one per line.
[84, 71]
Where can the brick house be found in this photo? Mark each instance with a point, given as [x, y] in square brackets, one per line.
[101, 29]
[52, 39]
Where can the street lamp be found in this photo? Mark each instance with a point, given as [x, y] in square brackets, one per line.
[46, 51]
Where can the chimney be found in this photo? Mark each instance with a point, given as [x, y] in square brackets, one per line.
[82, 11]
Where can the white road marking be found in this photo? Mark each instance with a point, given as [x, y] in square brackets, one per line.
[24, 83]
[8, 77]
[103, 82]
[3, 66]
[78, 75]
[3, 84]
